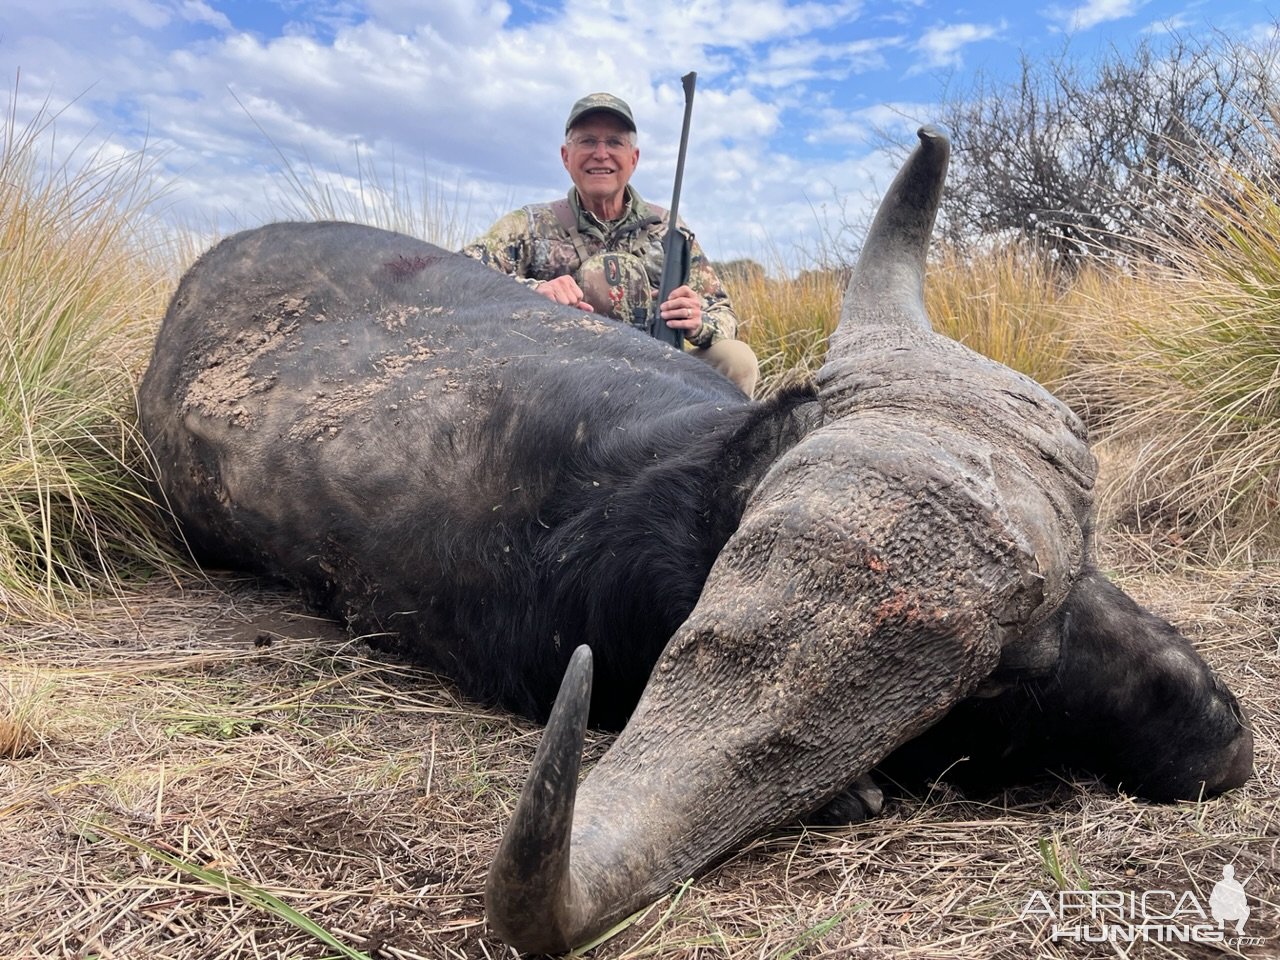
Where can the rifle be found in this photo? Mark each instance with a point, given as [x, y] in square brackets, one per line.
[675, 245]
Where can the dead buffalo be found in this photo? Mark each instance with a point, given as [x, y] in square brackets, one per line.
[799, 587]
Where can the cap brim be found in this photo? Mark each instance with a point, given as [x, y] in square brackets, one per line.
[630, 124]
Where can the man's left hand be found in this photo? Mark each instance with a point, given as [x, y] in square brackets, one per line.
[683, 309]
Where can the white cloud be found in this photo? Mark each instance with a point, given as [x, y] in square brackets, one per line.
[1092, 13]
[197, 11]
[894, 120]
[800, 61]
[942, 46]
[467, 98]
[462, 21]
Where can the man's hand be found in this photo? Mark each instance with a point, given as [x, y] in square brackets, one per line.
[564, 290]
[683, 309]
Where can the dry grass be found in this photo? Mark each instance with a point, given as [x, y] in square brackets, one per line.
[80, 292]
[786, 321]
[1189, 373]
[1007, 304]
[204, 749]
[1194, 414]
[22, 719]
[1175, 371]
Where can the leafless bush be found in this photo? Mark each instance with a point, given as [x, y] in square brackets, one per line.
[1082, 158]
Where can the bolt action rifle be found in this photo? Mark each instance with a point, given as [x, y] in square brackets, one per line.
[675, 245]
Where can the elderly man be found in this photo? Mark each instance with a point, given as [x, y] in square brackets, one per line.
[600, 249]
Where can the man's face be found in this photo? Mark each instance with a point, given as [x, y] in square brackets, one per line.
[600, 174]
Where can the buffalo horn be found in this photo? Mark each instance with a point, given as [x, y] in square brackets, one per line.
[887, 285]
[529, 891]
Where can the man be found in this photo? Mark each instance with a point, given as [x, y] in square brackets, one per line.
[600, 249]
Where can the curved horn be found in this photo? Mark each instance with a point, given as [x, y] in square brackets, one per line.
[887, 286]
[529, 891]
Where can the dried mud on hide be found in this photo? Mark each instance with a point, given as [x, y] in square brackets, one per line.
[235, 381]
[224, 384]
[191, 750]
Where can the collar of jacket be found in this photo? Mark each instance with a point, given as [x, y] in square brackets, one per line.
[634, 209]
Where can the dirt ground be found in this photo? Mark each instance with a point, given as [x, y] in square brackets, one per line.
[206, 769]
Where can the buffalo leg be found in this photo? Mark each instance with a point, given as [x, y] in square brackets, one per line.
[860, 801]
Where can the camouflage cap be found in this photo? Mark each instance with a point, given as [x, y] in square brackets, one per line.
[604, 102]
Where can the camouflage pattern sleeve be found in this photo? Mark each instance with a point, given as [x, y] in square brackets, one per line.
[719, 322]
[506, 247]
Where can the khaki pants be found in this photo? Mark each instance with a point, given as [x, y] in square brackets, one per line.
[735, 360]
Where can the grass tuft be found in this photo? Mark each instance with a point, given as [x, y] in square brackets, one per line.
[1007, 304]
[1198, 383]
[79, 298]
[376, 196]
[23, 718]
[786, 321]
[1061, 864]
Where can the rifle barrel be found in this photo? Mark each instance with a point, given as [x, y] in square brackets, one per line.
[673, 257]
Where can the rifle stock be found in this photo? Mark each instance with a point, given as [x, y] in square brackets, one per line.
[676, 253]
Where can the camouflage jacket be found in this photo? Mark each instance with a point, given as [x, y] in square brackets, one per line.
[622, 268]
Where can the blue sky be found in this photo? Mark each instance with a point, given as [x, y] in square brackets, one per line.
[469, 96]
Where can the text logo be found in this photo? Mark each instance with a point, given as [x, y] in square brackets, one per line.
[1159, 916]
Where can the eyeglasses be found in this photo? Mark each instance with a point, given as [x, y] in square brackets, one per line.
[612, 144]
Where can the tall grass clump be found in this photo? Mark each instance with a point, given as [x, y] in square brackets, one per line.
[1007, 303]
[388, 199]
[79, 298]
[383, 197]
[1203, 420]
[786, 320]
[23, 714]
